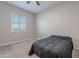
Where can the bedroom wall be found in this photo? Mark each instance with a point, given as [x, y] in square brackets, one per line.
[62, 19]
[6, 36]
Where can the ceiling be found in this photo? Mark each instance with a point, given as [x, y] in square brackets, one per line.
[32, 6]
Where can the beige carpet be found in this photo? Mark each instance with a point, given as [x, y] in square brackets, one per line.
[21, 50]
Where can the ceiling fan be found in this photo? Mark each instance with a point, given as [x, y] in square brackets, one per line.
[35, 1]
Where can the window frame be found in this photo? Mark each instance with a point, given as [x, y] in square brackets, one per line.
[13, 15]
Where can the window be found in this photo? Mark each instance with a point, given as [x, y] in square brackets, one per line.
[18, 23]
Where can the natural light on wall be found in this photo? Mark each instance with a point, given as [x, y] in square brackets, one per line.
[18, 23]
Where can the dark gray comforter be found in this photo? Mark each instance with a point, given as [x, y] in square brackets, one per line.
[53, 47]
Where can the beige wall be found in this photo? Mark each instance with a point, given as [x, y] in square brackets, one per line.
[63, 19]
[6, 35]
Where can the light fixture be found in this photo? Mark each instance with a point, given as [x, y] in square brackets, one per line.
[33, 1]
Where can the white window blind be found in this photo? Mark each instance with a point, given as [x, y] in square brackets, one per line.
[18, 23]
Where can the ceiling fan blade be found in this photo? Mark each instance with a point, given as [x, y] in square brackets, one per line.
[28, 2]
[37, 3]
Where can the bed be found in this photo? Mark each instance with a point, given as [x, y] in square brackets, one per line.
[54, 46]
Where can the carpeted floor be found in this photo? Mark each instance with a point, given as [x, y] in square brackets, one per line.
[21, 50]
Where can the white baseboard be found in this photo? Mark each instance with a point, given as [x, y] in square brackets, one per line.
[76, 48]
[10, 43]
